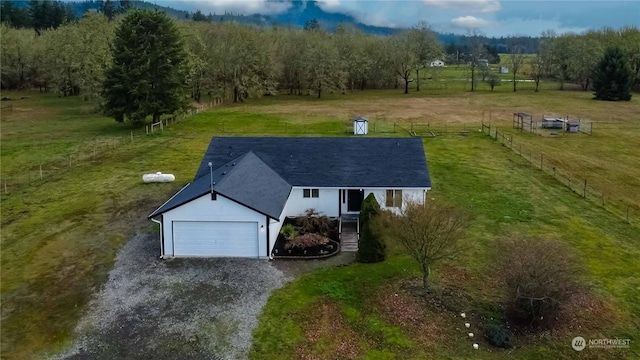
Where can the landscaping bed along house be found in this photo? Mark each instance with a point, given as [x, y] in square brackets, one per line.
[309, 236]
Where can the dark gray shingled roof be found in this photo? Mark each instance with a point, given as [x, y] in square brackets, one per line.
[259, 172]
[330, 162]
[245, 179]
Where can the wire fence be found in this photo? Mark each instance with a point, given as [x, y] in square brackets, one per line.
[617, 205]
[554, 124]
[90, 152]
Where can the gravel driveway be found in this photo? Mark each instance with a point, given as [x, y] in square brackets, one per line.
[175, 309]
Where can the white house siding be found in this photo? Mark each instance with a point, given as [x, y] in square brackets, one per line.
[407, 195]
[329, 203]
[326, 203]
[205, 209]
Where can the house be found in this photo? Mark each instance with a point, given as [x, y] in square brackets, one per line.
[246, 186]
[437, 63]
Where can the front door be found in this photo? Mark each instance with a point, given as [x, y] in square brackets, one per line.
[354, 200]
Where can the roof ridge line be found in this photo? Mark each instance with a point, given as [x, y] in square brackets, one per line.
[270, 168]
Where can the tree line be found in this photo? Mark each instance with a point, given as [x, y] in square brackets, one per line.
[234, 61]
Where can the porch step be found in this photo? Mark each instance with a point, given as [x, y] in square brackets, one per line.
[349, 240]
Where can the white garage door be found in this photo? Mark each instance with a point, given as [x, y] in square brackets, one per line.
[215, 238]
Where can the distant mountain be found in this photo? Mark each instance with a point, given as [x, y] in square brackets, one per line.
[297, 15]
[302, 11]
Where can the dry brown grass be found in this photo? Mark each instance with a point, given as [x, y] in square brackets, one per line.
[328, 335]
[412, 315]
[608, 159]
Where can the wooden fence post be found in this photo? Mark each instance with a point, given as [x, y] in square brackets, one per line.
[627, 213]
[40, 171]
[584, 193]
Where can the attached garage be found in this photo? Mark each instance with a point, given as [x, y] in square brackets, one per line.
[215, 238]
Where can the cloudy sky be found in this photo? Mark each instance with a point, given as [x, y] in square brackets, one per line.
[494, 17]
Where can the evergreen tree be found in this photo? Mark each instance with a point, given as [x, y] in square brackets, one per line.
[612, 77]
[14, 16]
[199, 16]
[125, 5]
[312, 25]
[371, 248]
[108, 8]
[147, 74]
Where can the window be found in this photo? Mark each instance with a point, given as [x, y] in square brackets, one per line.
[393, 199]
[310, 193]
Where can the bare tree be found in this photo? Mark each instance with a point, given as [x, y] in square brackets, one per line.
[475, 44]
[425, 47]
[516, 60]
[536, 68]
[403, 58]
[429, 232]
[540, 276]
[485, 70]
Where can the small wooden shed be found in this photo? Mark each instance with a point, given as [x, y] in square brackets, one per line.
[360, 126]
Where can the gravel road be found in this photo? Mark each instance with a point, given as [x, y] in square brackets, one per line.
[175, 309]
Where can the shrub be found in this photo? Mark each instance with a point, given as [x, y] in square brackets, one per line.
[499, 336]
[313, 221]
[540, 275]
[371, 248]
[306, 240]
[289, 231]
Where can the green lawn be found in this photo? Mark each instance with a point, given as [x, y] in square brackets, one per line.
[60, 234]
[506, 196]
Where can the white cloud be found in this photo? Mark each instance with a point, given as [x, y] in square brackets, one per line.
[467, 22]
[246, 7]
[483, 6]
[329, 5]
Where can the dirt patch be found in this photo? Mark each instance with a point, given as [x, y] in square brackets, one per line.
[585, 311]
[411, 314]
[327, 329]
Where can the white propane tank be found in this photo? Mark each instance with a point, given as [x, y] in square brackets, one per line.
[158, 177]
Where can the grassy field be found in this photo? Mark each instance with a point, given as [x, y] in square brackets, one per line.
[60, 234]
[366, 308]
